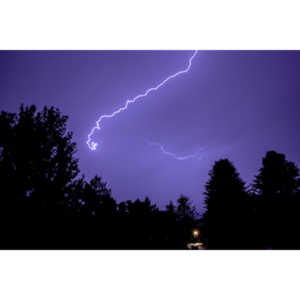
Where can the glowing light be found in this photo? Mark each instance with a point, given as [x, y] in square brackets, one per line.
[196, 233]
[93, 145]
[162, 148]
[196, 244]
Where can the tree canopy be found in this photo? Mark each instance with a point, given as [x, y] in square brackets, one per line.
[46, 203]
[225, 200]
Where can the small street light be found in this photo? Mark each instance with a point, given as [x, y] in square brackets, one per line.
[196, 233]
[195, 243]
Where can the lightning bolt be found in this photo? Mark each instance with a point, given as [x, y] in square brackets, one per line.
[93, 145]
[162, 148]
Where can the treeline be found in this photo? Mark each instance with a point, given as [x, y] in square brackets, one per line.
[46, 203]
[265, 215]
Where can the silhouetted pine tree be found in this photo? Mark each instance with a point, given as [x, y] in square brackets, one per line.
[276, 187]
[225, 221]
[185, 214]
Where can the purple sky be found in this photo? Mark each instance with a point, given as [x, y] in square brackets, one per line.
[233, 104]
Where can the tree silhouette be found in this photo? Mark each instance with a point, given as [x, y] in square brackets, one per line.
[169, 222]
[139, 224]
[225, 200]
[185, 218]
[184, 210]
[96, 199]
[45, 204]
[276, 187]
[170, 208]
[37, 166]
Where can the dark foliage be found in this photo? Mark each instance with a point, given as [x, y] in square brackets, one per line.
[227, 219]
[276, 189]
[46, 204]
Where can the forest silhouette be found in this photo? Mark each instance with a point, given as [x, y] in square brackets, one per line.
[46, 203]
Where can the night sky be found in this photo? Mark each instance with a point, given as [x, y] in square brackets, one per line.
[231, 104]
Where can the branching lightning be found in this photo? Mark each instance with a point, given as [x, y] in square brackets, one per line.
[93, 145]
[164, 151]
